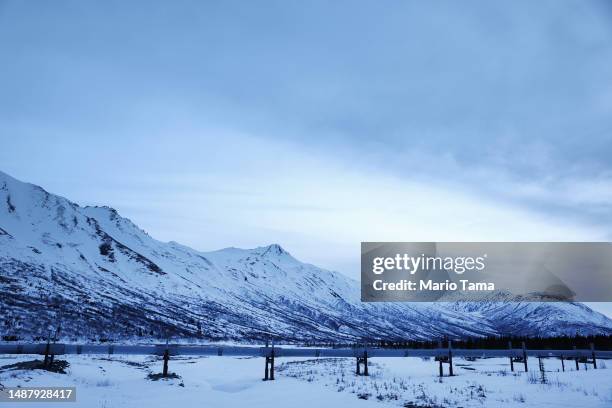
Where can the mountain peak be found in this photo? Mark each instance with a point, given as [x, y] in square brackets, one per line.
[272, 250]
[111, 220]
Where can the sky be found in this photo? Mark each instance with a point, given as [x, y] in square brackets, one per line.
[316, 125]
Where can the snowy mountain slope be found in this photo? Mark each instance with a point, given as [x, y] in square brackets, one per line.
[532, 318]
[103, 277]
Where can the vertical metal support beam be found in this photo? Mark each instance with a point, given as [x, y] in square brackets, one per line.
[272, 364]
[365, 363]
[540, 364]
[439, 353]
[562, 363]
[358, 369]
[46, 363]
[525, 356]
[593, 356]
[576, 359]
[166, 358]
[511, 356]
[269, 371]
[450, 358]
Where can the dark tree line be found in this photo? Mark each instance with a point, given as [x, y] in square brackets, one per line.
[601, 342]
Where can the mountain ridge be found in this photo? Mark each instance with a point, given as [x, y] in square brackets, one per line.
[100, 276]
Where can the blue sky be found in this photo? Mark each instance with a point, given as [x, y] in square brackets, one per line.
[317, 125]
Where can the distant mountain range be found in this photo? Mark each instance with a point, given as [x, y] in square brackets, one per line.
[100, 276]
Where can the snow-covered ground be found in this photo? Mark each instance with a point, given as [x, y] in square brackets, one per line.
[121, 381]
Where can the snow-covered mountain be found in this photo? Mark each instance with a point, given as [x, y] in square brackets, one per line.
[100, 276]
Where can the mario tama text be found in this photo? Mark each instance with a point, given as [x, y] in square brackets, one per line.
[430, 285]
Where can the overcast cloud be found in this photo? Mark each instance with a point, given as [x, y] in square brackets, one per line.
[316, 124]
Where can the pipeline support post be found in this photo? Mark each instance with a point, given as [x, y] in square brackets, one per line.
[441, 369]
[269, 371]
[511, 356]
[442, 357]
[576, 359]
[166, 358]
[266, 378]
[450, 359]
[562, 363]
[593, 356]
[540, 363]
[525, 356]
[363, 359]
[47, 347]
[272, 364]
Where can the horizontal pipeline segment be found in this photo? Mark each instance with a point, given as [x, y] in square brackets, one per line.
[246, 351]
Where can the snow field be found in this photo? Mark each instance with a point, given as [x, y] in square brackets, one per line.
[121, 381]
